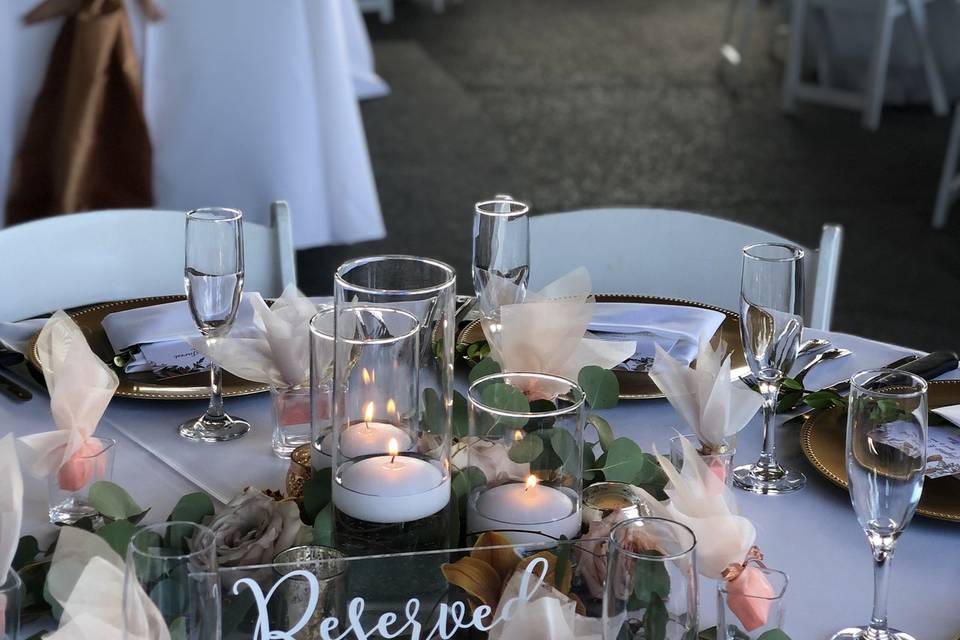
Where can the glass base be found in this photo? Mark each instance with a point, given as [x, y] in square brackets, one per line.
[753, 477]
[70, 511]
[866, 633]
[207, 429]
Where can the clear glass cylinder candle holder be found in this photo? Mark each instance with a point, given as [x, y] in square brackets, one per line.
[426, 289]
[718, 461]
[69, 486]
[390, 461]
[322, 346]
[291, 418]
[11, 597]
[751, 605]
[526, 441]
[651, 586]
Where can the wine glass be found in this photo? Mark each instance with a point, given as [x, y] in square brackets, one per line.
[213, 276]
[501, 256]
[771, 321]
[171, 581]
[886, 458]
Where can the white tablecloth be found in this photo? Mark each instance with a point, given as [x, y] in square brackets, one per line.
[247, 102]
[812, 535]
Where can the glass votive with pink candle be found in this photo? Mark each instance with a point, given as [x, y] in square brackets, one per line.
[291, 418]
[718, 460]
[69, 486]
[752, 604]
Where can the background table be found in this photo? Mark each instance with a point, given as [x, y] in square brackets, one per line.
[812, 535]
[246, 102]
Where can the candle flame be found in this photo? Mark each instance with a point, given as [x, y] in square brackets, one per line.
[531, 482]
[517, 435]
[368, 412]
[393, 447]
[368, 376]
[391, 406]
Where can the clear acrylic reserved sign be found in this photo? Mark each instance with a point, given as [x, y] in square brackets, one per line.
[413, 596]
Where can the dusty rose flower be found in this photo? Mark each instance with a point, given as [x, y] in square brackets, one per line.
[253, 528]
[592, 554]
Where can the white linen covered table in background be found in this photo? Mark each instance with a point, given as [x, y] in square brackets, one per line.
[812, 535]
[247, 101]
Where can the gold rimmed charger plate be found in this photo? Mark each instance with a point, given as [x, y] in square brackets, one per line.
[143, 385]
[637, 385]
[823, 440]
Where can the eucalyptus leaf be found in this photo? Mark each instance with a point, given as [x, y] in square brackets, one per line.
[792, 384]
[504, 397]
[650, 580]
[526, 450]
[466, 480]
[170, 597]
[317, 493]
[774, 634]
[604, 430]
[323, 526]
[711, 633]
[542, 422]
[112, 500]
[624, 461]
[563, 565]
[565, 446]
[117, 534]
[193, 507]
[235, 609]
[486, 367]
[600, 386]
[589, 464]
[27, 550]
[655, 619]
[434, 414]
[461, 419]
[178, 629]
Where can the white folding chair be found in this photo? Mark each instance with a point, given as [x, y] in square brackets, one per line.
[949, 187]
[871, 101]
[84, 258]
[674, 254]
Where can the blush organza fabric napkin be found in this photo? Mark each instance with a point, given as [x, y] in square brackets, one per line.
[714, 406]
[547, 333]
[11, 513]
[724, 537]
[275, 350]
[80, 386]
[87, 579]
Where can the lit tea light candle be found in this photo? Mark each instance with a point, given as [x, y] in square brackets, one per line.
[368, 437]
[529, 506]
[391, 488]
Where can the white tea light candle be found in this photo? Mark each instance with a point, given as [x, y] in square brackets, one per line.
[391, 488]
[529, 506]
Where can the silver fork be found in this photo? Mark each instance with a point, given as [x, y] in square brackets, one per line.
[830, 354]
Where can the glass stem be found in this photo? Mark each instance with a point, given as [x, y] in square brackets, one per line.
[882, 556]
[767, 464]
[215, 410]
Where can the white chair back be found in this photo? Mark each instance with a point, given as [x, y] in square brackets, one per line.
[84, 258]
[671, 254]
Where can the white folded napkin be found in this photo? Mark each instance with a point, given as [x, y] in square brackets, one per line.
[676, 329]
[276, 350]
[80, 386]
[87, 579]
[548, 332]
[943, 445]
[547, 615]
[714, 406]
[159, 336]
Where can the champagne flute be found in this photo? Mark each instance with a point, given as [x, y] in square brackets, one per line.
[771, 321]
[501, 256]
[886, 458]
[213, 276]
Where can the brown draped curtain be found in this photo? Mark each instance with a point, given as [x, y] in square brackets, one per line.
[86, 144]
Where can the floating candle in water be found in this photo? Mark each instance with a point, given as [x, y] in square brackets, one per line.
[391, 488]
[529, 506]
